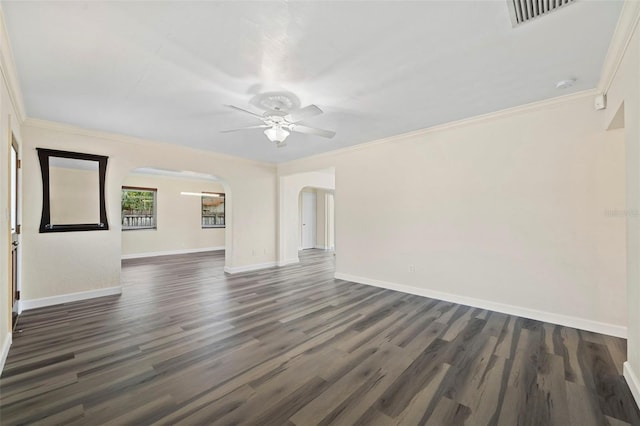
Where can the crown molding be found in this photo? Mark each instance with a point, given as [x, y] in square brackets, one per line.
[8, 70]
[622, 35]
[530, 107]
[117, 137]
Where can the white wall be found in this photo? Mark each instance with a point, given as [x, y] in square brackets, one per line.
[625, 88]
[61, 263]
[506, 211]
[331, 235]
[179, 218]
[11, 113]
[289, 218]
[74, 196]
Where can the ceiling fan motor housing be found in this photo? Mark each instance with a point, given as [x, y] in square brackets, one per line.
[276, 102]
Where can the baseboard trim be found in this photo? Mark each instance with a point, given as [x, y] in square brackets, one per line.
[248, 268]
[632, 381]
[70, 297]
[5, 351]
[169, 252]
[565, 320]
[288, 261]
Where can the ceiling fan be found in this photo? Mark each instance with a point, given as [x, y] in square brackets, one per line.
[279, 124]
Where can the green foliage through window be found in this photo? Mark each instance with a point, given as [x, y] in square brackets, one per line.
[138, 208]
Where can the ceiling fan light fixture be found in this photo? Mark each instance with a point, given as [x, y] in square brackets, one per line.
[277, 134]
[280, 122]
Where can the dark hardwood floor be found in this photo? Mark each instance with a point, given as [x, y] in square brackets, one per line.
[187, 344]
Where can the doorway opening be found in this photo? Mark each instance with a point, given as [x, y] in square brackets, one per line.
[322, 184]
[317, 219]
[15, 230]
[308, 230]
[166, 212]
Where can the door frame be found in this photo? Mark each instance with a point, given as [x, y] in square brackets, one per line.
[15, 233]
[330, 220]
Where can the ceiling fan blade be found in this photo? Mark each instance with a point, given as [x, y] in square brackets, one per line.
[312, 131]
[302, 113]
[259, 126]
[245, 111]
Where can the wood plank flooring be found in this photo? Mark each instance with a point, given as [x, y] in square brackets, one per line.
[186, 344]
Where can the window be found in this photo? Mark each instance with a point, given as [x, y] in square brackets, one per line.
[138, 208]
[213, 210]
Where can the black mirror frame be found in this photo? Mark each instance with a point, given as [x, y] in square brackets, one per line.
[45, 225]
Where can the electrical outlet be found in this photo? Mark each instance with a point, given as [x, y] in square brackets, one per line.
[253, 252]
[412, 268]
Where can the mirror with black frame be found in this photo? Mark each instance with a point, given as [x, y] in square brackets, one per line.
[73, 191]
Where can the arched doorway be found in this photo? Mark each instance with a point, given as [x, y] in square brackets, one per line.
[168, 212]
[291, 186]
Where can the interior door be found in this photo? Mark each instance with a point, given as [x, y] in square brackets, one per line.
[15, 229]
[308, 220]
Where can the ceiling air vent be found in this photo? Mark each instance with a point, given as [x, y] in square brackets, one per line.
[525, 10]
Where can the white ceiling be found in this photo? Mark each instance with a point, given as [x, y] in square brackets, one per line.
[164, 70]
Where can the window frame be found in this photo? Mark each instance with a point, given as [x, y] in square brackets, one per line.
[224, 210]
[154, 213]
